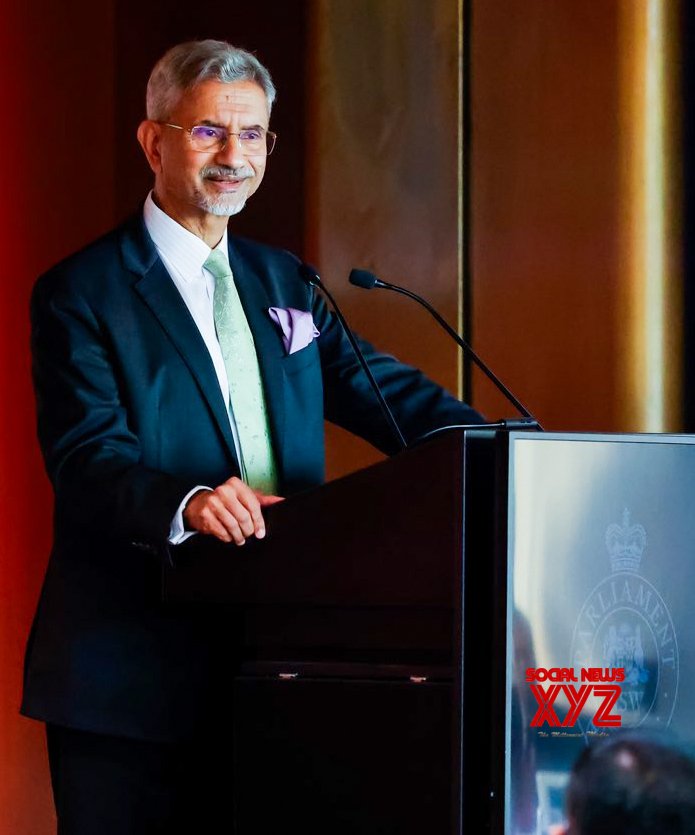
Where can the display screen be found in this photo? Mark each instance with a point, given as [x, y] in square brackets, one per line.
[601, 580]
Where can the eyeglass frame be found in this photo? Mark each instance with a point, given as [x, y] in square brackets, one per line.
[189, 132]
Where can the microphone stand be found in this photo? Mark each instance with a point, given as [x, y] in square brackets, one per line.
[311, 276]
[367, 280]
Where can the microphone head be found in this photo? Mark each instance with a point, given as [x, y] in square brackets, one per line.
[364, 279]
[310, 274]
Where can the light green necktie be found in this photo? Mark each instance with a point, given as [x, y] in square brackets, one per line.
[244, 376]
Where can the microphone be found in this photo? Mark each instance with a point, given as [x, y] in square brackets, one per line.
[367, 280]
[311, 276]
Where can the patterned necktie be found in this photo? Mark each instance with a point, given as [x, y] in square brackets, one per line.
[245, 384]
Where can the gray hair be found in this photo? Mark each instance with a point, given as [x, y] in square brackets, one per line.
[187, 64]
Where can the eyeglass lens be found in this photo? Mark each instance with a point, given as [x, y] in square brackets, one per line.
[211, 137]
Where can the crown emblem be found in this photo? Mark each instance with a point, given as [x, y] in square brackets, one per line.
[626, 544]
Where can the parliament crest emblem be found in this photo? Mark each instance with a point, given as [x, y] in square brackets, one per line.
[625, 623]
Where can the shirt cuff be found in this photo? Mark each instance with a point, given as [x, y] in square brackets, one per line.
[177, 529]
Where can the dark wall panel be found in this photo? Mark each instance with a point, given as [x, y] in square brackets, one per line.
[276, 33]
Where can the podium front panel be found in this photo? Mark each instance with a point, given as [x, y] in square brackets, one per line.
[600, 577]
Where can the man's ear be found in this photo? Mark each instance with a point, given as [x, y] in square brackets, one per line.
[149, 137]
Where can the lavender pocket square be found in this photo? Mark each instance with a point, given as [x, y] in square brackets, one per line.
[297, 326]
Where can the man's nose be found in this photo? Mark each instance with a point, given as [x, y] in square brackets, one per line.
[232, 153]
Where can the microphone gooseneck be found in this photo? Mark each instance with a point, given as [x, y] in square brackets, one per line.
[367, 281]
[311, 276]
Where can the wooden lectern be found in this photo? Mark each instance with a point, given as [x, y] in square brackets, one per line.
[352, 712]
[391, 618]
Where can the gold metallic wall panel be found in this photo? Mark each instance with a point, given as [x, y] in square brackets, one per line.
[574, 240]
[545, 210]
[651, 346]
[382, 163]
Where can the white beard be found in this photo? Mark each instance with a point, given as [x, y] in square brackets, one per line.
[222, 206]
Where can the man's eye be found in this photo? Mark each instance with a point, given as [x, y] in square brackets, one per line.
[251, 135]
[207, 132]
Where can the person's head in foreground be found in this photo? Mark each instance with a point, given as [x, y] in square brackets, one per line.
[631, 784]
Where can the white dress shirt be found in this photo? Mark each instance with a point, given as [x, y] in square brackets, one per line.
[183, 254]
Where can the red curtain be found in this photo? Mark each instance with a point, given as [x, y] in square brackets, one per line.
[56, 151]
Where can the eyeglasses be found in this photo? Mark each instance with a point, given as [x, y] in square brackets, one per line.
[213, 139]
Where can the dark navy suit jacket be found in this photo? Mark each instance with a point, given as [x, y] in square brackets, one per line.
[130, 418]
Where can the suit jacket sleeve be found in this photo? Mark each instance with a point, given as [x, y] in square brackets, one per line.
[418, 404]
[92, 455]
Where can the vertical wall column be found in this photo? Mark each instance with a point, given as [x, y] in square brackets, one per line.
[652, 347]
[383, 175]
[574, 238]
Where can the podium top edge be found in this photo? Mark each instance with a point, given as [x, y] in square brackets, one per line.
[612, 437]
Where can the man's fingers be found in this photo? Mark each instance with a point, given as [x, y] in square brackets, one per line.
[206, 512]
[266, 501]
[215, 519]
[248, 519]
[244, 503]
[236, 528]
[231, 512]
[208, 523]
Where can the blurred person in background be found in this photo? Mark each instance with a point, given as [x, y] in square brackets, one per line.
[632, 784]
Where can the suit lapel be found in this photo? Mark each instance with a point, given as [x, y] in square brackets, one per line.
[269, 347]
[159, 293]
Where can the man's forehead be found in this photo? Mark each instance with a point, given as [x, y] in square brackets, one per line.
[223, 103]
[233, 93]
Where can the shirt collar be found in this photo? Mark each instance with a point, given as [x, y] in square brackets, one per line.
[175, 243]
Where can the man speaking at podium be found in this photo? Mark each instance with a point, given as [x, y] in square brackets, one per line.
[182, 379]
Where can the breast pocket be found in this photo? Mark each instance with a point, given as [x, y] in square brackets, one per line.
[292, 363]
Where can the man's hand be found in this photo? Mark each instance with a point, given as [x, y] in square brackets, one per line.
[231, 512]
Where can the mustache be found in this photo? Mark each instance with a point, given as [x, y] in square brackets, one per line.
[226, 172]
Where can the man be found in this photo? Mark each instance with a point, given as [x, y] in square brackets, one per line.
[632, 784]
[182, 379]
